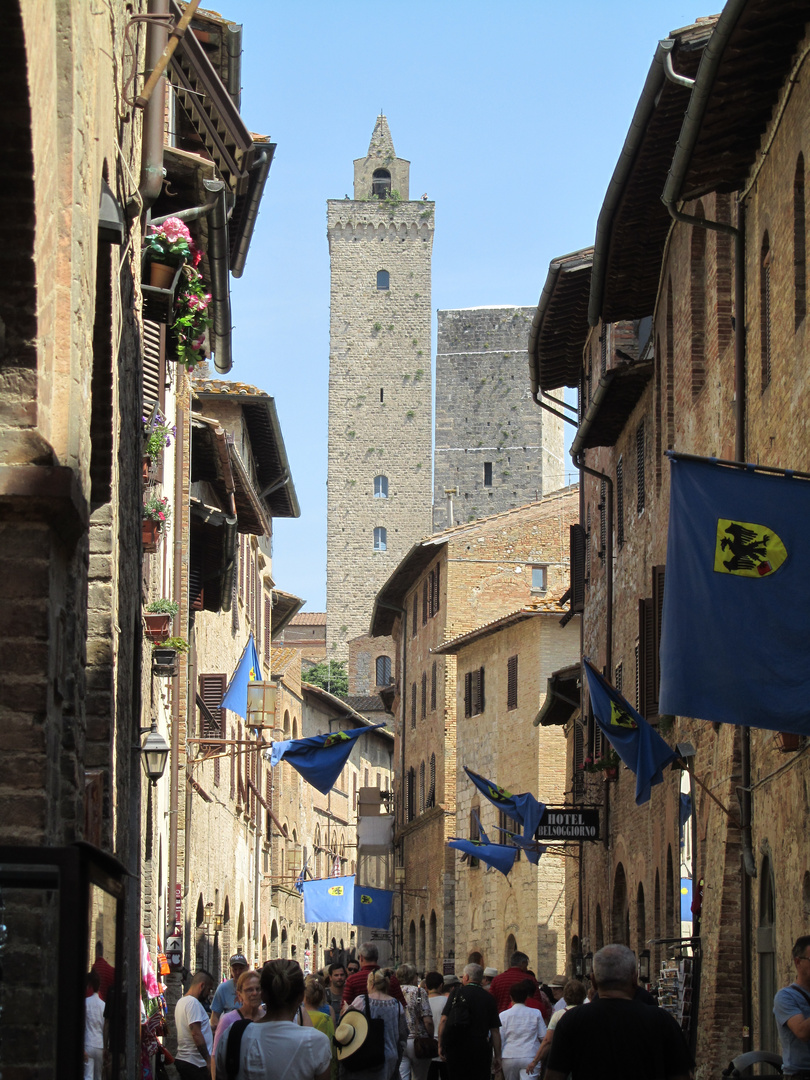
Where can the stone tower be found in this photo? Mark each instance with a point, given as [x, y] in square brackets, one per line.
[379, 471]
[494, 448]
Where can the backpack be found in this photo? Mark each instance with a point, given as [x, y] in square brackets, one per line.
[459, 1018]
[232, 1049]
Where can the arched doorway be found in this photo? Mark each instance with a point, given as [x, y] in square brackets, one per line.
[420, 957]
[432, 959]
[600, 929]
[641, 922]
[620, 913]
[766, 955]
[274, 940]
[412, 943]
[510, 947]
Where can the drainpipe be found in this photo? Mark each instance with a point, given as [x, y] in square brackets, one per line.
[233, 45]
[174, 782]
[153, 117]
[580, 464]
[259, 171]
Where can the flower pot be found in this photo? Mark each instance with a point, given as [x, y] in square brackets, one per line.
[150, 534]
[157, 626]
[161, 275]
[788, 741]
[611, 773]
[164, 662]
[146, 467]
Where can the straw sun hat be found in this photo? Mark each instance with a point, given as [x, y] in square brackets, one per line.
[351, 1033]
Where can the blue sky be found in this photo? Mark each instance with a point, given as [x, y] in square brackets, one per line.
[512, 115]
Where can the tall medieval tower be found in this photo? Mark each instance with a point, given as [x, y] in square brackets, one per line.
[379, 472]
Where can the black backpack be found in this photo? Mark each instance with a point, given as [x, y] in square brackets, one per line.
[459, 1018]
[232, 1049]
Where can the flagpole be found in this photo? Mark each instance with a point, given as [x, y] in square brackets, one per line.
[684, 765]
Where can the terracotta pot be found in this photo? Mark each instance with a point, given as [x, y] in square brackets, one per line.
[157, 626]
[150, 534]
[161, 275]
[611, 773]
[146, 465]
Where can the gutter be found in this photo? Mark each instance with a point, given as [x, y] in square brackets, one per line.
[537, 322]
[588, 419]
[259, 172]
[233, 45]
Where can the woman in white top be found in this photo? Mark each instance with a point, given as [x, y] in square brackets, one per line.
[275, 1047]
[522, 1031]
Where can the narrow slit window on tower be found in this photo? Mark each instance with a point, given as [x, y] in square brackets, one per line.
[381, 487]
[382, 393]
[380, 539]
[380, 183]
[487, 474]
[383, 279]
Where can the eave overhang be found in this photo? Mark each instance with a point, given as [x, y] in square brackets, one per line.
[614, 399]
[285, 607]
[388, 601]
[563, 697]
[560, 326]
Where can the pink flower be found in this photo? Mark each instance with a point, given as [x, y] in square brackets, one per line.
[196, 256]
[174, 229]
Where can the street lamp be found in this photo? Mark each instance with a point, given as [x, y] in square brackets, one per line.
[209, 913]
[154, 753]
[218, 923]
[579, 965]
[588, 965]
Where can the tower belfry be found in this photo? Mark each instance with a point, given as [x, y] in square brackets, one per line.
[379, 471]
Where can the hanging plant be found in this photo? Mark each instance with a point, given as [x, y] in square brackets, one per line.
[192, 318]
[170, 242]
[156, 508]
[158, 434]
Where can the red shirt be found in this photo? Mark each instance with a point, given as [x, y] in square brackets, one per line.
[357, 984]
[502, 984]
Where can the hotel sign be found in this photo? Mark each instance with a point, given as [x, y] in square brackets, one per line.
[568, 823]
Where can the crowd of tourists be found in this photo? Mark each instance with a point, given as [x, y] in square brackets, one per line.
[361, 1021]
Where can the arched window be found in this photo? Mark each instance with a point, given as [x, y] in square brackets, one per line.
[380, 183]
[380, 487]
[620, 915]
[383, 279]
[380, 539]
[295, 728]
[697, 305]
[799, 245]
[383, 666]
[765, 310]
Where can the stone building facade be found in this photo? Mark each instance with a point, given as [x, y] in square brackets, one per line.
[494, 449]
[517, 653]
[716, 362]
[379, 486]
[450, 583]
[70, 515]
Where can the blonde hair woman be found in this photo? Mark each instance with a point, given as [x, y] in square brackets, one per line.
[384, 1007]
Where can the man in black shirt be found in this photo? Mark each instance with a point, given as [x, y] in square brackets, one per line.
[469, 1029]
[616, 1037]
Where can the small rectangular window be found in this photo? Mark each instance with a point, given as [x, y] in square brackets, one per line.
[487, 474]
[475, 835]
[539, 578]
[512, 682]
[474, 692]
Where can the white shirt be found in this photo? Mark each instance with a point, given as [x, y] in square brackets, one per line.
[189, 1011]
[522, 1029]
[93, 1023]
[278, 1050]
[436, 1005]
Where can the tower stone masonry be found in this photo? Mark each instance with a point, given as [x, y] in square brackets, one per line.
[495, 449]
[379, 456]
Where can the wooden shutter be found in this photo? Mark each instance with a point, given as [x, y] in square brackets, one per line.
[424, 694]
[477, 691]
[241, 567]
[475, 834]
[413, 620]
[578, 758]
[512, 682]
[426, 593]
[212, 691]
[640, 502]
[620, 502]
[234, 600]
[267, 627]
[602, 518]
[468, 693]
[233, 761]
[196, 576]
[648, 691]
[433, 687]
[436, 588]
[413, 705]
[577, 552]
[154, 366]
[658, 575]
[241, 786]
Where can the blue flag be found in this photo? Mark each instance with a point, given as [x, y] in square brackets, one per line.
[501, 856]
[524, 809]
[329, 900]
[533, 848]
[320, 758]
[736, 621]
[247, 670]
[639, 746]
[372, 907]
[342, 900]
